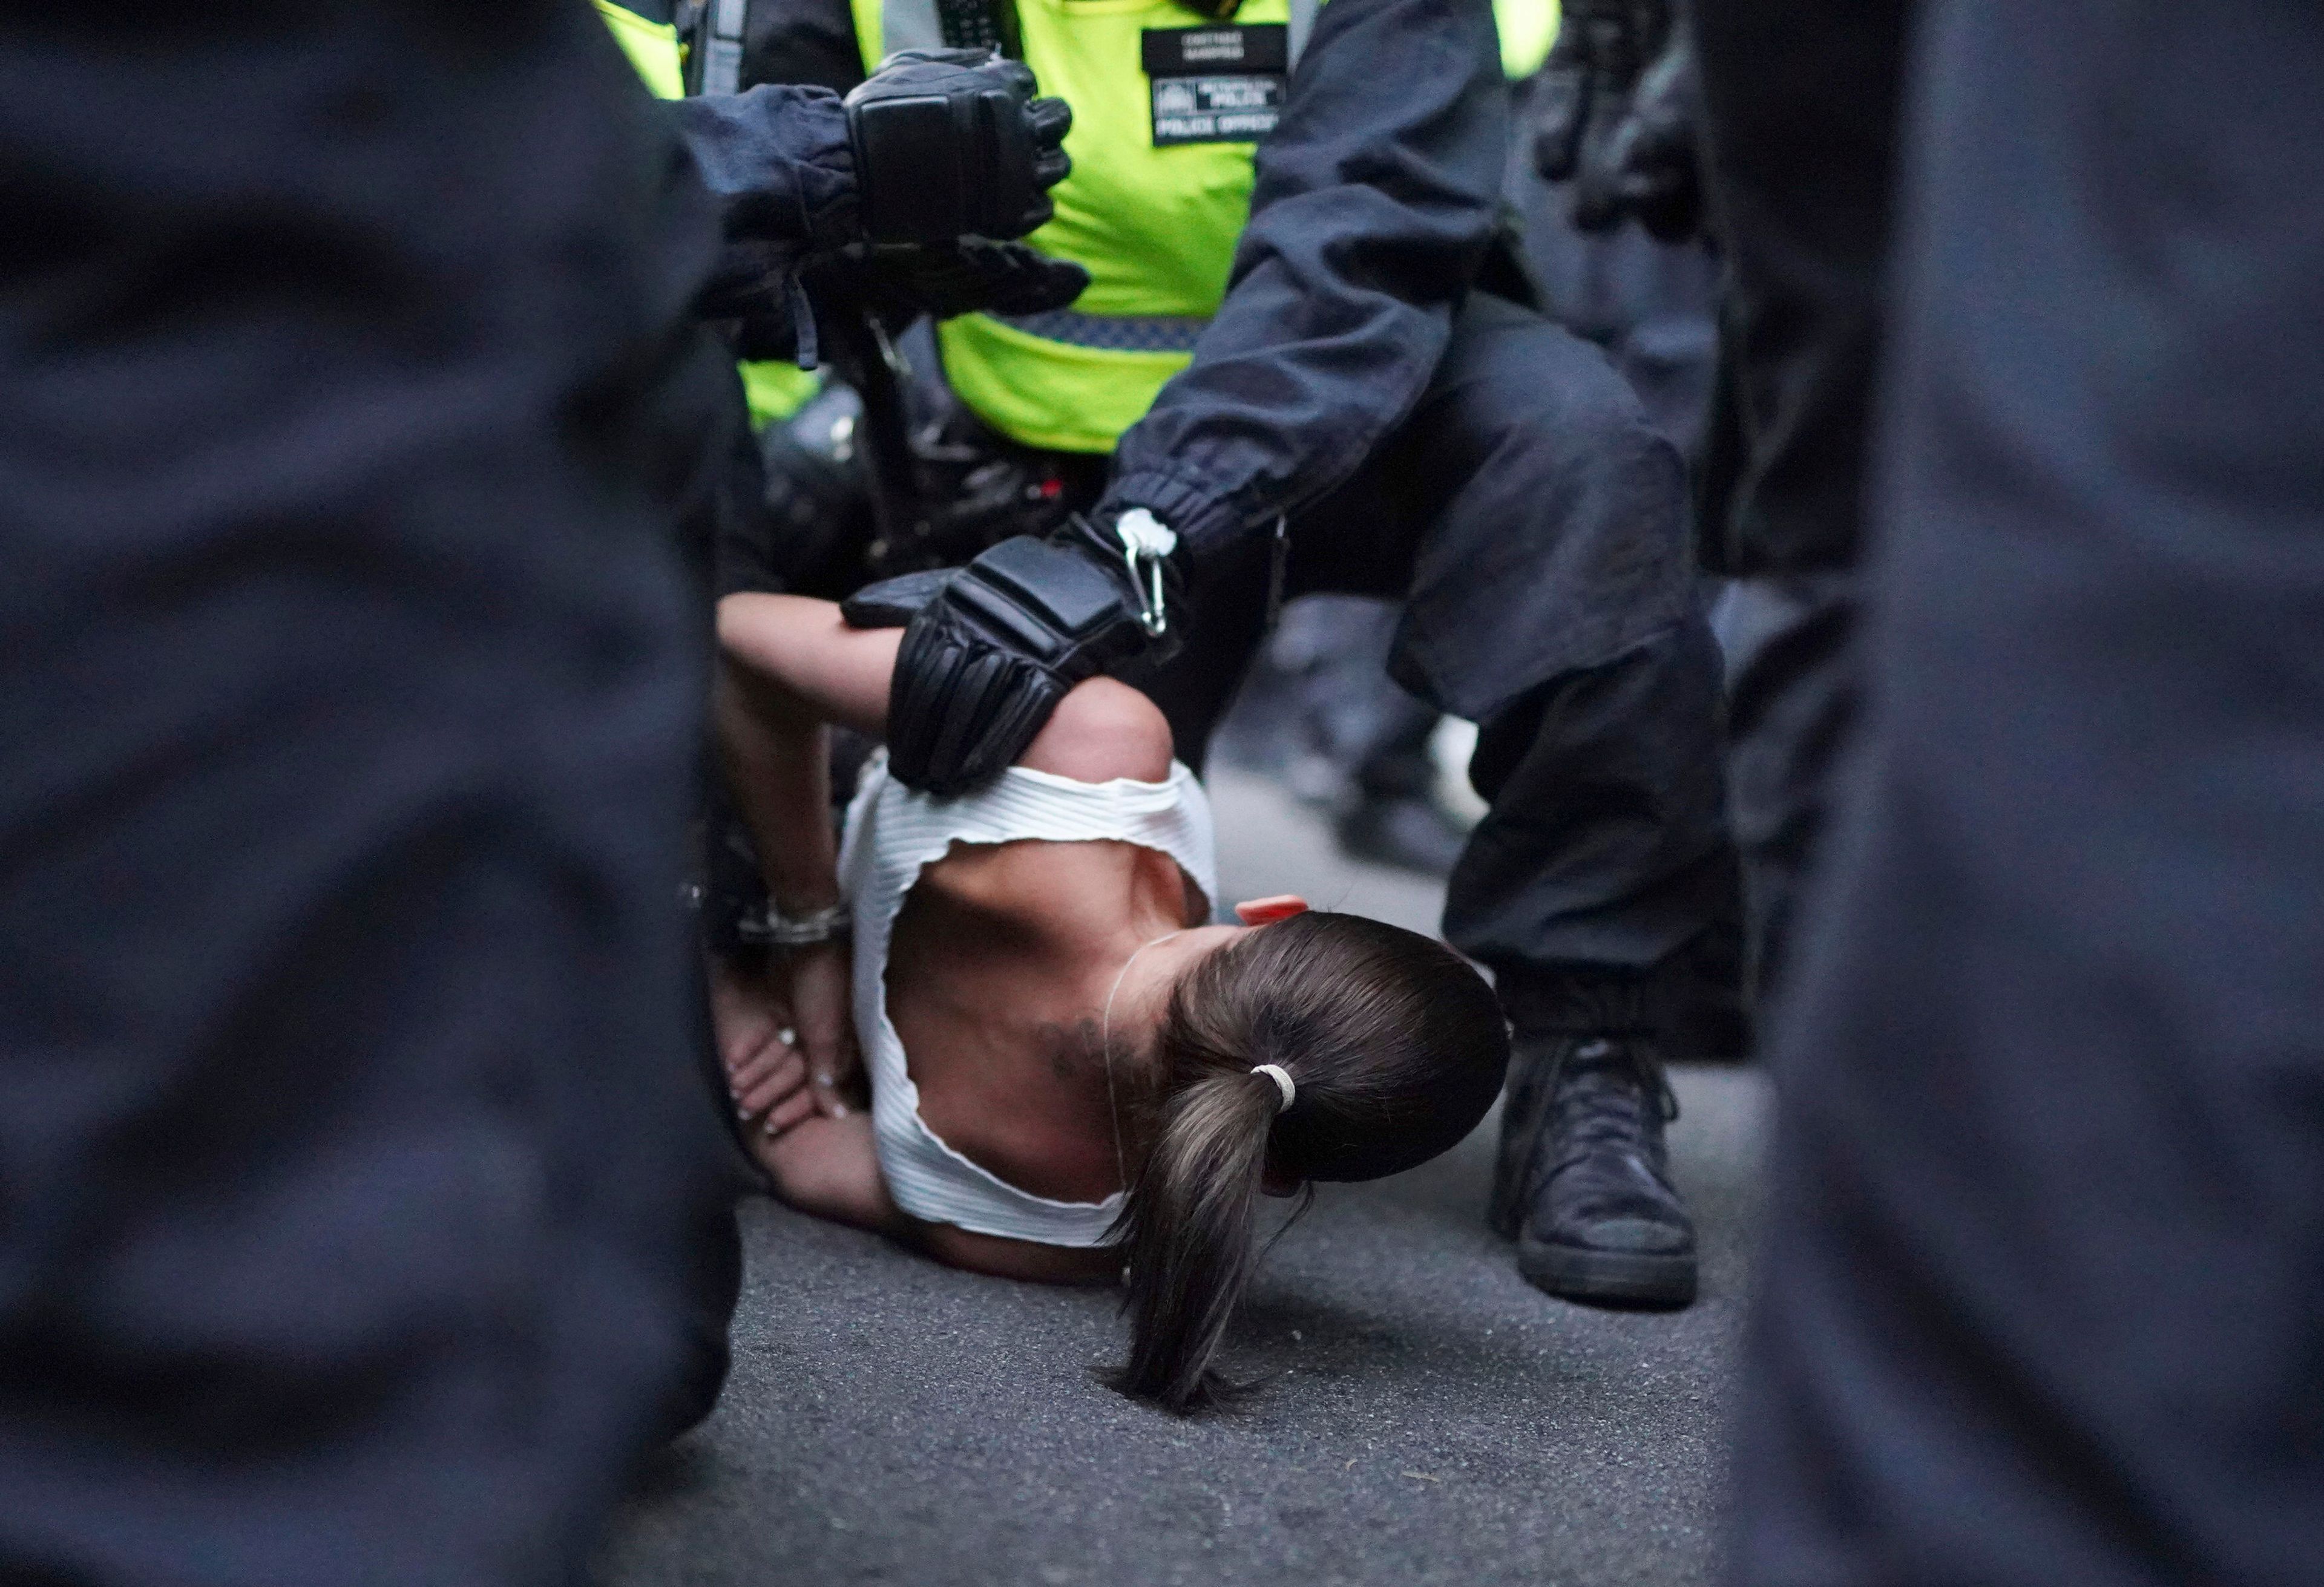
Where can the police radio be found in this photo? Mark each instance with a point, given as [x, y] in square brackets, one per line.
[714, 32]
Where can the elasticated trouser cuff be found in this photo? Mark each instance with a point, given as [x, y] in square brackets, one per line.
[1664, 1003]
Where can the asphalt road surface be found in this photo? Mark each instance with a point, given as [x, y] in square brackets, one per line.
[1430, 1417]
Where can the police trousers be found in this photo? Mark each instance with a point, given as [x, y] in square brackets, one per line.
[1534, 523]
[1800, 111]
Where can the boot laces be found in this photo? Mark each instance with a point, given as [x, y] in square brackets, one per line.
[1611, 1092]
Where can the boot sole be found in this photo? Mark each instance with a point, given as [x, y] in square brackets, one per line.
[1622, 1278]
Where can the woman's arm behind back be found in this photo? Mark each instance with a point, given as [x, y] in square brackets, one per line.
[828, 1168]
[812, 667]
[830, 672]
[810, 660]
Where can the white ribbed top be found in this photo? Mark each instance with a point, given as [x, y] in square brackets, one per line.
[892, 835]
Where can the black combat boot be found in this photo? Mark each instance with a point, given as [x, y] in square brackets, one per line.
[1583, 1185]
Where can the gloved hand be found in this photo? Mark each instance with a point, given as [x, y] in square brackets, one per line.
[971, 275]
[900, 284]
[990, 648]
[1586, 84]
[1656, 170]
[951, 143]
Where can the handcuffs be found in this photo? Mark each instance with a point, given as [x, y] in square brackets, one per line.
[771, 928]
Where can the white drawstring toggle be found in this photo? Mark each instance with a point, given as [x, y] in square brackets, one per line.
[1147, 538]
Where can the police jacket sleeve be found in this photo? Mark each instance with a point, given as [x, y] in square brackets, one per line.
[1376, 201]
[779, 165]
[934, 146]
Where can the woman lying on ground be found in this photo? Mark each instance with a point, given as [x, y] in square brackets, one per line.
[1097, 1077]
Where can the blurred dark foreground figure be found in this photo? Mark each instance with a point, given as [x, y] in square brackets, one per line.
[1771, 124]
[2041, 1303]
[1799, 102]
[348, 1132]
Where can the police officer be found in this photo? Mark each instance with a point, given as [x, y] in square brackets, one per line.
[804, 182]
[1647, 303]
[1306, 362]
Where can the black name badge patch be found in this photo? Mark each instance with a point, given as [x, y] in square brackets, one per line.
[1222, 85]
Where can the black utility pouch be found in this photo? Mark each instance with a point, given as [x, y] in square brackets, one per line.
[1216, 84]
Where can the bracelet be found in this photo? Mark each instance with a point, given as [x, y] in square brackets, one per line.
[773, 929]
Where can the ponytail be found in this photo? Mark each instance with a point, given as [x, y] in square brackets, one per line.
[1326, 1047]
[1187, 1232]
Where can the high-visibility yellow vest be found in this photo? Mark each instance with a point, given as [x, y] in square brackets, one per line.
[1155, 228]
[774, 390]
[652, 47]
[1528, 28]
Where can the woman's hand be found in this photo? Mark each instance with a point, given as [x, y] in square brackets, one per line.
[786, 1037]
[818, 985]
[766, 1073]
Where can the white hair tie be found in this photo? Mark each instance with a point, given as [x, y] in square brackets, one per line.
[1282, 1078]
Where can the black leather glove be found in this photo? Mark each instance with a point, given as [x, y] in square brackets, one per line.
[900, 284]
[972, 276]
[990, 648]
[1656, 172]
[951, 143]
[1586, 84]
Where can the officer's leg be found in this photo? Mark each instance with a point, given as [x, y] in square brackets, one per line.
[352, 1152]
[1365, 741]
[1543, 520]
[1792, 705]
[1392, 813]
[1801, 100]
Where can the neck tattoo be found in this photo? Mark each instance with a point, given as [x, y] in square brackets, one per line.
[1105, 1048]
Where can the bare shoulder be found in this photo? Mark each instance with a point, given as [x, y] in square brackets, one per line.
[1101, 731]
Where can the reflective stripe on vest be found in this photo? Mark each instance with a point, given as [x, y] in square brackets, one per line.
[1155, 227]
[1118, 333]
